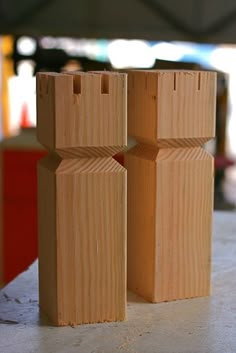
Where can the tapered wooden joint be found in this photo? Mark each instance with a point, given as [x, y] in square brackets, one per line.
[172, 106]
[82, 110]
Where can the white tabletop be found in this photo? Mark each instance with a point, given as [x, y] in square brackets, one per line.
[204, 325]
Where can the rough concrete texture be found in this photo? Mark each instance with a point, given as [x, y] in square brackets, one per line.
[204, 325]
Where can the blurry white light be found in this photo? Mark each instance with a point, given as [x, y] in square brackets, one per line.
[48, 42]
[223, 59]
[92, 49]
[185, 47]
[167, 51]
[69, 46]
[25, 68]
[130, 54]
[26, 46]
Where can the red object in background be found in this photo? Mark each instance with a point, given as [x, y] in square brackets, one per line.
[24, 118]
[19, 214]
[20, 243]
[222, 162]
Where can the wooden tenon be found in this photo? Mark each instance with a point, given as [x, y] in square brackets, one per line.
[81, 120]
[170, 183]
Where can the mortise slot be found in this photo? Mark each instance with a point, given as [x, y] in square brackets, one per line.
[77, 84]
[105, 84]
[174, 81]
[199, 81]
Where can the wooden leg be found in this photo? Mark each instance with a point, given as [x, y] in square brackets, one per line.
[82, 258]
[169, 222]
[82, 197]
[170, 183]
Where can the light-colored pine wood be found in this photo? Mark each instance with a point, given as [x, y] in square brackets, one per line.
[83, 110]
[82, 198]
[168, 105]
[48, 261]
[170, 184]
[82, 212]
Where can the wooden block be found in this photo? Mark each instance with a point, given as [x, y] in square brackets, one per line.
[170, 185]
[82, 199]
[166, 106]
[82, 114]
[82, 240]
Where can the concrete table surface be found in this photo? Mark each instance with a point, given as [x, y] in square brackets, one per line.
[203, 325]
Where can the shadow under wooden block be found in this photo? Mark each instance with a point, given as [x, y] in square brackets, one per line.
[82, 242]
[169, 222]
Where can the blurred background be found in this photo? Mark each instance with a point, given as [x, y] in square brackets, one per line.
[57, 35]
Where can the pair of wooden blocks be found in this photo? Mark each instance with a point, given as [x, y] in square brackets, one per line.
[82, 190]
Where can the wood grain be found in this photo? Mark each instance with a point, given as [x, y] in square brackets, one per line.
[170, 200]
[82, 198]
[82, 240]
[141, 239]
[184, 203]
[74, 110]
[48, 262]
[175, 104]
[170, 184]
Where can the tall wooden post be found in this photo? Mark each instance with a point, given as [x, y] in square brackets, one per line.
[82, 197]
[170, 183]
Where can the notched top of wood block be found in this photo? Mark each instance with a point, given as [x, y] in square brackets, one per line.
[169, 104]
[81, 109]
